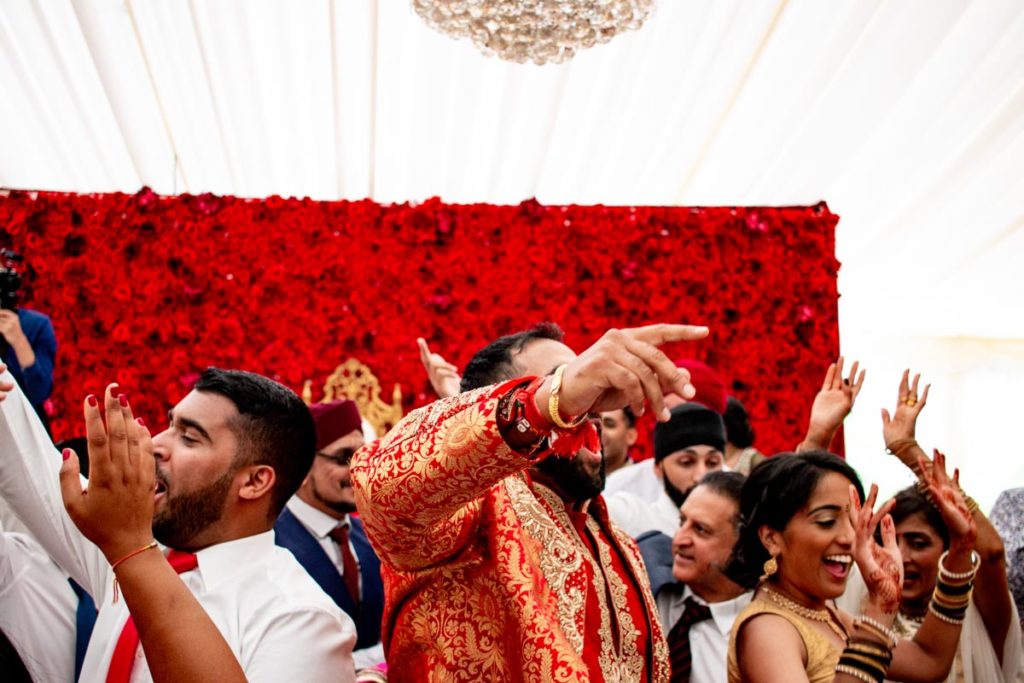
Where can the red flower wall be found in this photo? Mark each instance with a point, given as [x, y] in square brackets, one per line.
[149, 290]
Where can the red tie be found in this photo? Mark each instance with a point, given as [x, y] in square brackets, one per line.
[121, 663]
[349, 568]
[679, 639]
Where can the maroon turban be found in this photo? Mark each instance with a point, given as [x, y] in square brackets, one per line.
[710, 387]
[334, 420]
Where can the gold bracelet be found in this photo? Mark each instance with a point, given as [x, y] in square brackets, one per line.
[856, 673]
[897, 446]
[972, 505]
[876, 627]
[556, 418]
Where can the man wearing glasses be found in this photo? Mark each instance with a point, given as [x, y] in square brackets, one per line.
[317, 525]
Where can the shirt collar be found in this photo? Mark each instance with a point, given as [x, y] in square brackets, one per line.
[220, 562]
[317, 522]
[722, 613]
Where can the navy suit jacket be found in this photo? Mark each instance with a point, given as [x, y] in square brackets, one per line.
[289, 533]
[656, 549]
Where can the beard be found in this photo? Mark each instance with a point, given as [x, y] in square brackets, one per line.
[342, 507]
[577, 480]
[677, 495]
[186, 515]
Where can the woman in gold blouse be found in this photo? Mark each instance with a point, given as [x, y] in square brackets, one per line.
[803, 527]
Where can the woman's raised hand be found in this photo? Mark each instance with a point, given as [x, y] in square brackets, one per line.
[880, 565]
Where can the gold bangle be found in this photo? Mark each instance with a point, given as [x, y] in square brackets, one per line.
[897, 446]
[556, 418]
[972, 505]
[877, 628]
[856, 673]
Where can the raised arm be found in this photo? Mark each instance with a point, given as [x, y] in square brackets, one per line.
[29, 466]
[929, 656]
[991, 593]
[430, 473]
[832, 404]
[116, 512]
[444, 377]
[426, 478]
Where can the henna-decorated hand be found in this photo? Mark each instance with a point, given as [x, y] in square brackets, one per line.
[949, 499]
[902, 423]
[880, 565]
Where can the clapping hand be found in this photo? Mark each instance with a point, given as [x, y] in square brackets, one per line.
[116, 510]
[444, 376]
[880, 565]
[947, 496]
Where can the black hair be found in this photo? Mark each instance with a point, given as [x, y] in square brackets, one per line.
[630, 417]
[728, 485]
[738, 430]
[910, 502]
[274, 427]
[496, 362]
[774, 492]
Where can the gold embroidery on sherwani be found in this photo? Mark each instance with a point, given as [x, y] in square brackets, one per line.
[559, 557]
[660, 666]
[630, 663]
[472, 594]
[612, 667]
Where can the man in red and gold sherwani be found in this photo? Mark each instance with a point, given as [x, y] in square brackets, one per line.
[498, 558]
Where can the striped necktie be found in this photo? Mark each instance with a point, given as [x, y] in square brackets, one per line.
[679, 640]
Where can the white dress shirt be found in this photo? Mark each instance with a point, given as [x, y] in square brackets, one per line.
[275, 618]
[709, 639]
[639, 479]
[636, 515]
[320, 525]
[37, 609]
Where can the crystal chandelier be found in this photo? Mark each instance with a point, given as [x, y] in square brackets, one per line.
[537, 30]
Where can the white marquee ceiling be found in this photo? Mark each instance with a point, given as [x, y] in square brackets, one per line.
[907, 116]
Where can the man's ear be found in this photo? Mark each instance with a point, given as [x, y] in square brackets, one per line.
[631, 436]
[258, 481]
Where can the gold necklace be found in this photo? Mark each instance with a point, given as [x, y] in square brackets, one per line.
[822, 615]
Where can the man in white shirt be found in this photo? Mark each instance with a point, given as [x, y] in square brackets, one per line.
[699, 603]
[318, 527]
[686, 448]
[236, 449]
[618, 434]
[37, 609]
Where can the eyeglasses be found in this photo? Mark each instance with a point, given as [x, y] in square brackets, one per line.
[342, 457]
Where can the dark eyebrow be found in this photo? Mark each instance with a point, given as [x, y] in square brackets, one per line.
[821, 508]
[189, 424]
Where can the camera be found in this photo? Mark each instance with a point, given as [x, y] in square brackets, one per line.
[10, 278]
